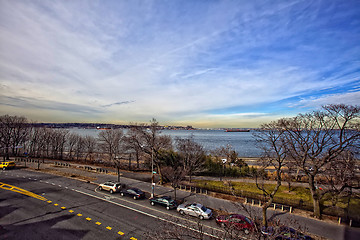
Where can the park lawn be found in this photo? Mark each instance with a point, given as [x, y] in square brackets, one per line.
[296, 193]
[294, 197]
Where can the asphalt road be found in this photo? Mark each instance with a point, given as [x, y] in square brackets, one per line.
[91, 214]
[59, 208]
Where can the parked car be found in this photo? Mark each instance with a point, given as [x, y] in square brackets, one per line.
[165, 201]
[7, 165]
[196, 210]
[112, 187]
[236, 221]
[288, 233]
[133, 192]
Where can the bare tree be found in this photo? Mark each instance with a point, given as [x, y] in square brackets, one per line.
[90, 144]
[79, 146]
[151, 143]
[192, 154]
[13, 133]
[173, 170]
[111, 144]
[178, 229]
[271, 139]
[340, 178]
[317, 139]
[134, 141]
[72, 139]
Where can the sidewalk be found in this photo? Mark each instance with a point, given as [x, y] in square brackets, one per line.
[142, 180]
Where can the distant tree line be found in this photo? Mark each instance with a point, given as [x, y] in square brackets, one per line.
[141, 143]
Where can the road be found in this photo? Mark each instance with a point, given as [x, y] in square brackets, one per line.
[92, 214]
[59, 208]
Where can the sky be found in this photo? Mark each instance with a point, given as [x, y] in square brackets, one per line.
[211, 63]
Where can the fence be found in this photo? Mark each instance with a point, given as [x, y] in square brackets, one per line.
[255, 199]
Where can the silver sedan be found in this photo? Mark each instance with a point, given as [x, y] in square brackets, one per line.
[196, 210]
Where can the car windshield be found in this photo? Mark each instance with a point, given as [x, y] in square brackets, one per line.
[117, 185]
[204, 209]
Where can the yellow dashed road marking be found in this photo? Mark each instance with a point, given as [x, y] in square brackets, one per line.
[30, 194]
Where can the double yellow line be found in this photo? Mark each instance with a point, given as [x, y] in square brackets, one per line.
[20, 190]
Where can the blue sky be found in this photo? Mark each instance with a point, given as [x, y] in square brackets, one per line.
[201, 63]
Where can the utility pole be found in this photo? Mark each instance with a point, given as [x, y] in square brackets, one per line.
[152, 173]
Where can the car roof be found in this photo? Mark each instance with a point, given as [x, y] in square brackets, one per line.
[165, 197]
[197, 205]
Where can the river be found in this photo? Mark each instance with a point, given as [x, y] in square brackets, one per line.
[242, 142]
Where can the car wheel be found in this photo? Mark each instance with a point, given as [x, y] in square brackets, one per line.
[201, 217]
[152, 203]
[100, 188]
[135, 197]
[167, 208]
[246, 231]
[111, 191]
[182, 212]
[122, 194]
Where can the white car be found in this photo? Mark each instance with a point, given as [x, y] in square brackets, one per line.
[112, 187]
[196, 210]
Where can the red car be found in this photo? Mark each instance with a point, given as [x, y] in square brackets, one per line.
[236, 221]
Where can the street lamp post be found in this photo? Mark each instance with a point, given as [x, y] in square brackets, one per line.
[223, 165]
[152, 173]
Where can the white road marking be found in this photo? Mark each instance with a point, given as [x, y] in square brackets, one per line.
[150, 215]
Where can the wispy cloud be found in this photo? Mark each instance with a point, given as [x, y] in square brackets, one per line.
[118, 103]
[181, 61]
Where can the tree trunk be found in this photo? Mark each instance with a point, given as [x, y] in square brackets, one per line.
[160, 175]
[264, 215]
[118, 173]
[264, 211]
[137, 160]
[315, 196]
[175, 193]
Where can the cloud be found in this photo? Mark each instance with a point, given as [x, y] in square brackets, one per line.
[180, 61]
[118, 103]
[350, 98]
[32, 103]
